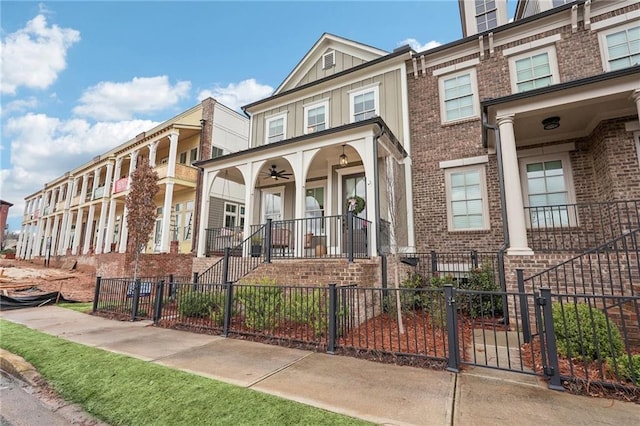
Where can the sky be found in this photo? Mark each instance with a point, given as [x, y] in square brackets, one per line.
[79, 77]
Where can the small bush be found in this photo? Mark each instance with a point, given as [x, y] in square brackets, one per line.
[305, 307]
[202, 304]
[628, 368]
[263, 305]
[481, 305]
[584, 332]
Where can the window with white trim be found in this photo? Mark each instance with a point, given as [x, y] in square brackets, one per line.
[467, 201]
[620, 47]
[458, 94]
[193, 155]
[547, 186]
[535, 69]
[183, 158]
[486, 15]
[364, 104]
[216, 152]
[276, 128]
[316, 117]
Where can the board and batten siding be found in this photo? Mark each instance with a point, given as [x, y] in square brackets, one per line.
[390, 108]
[343, 62]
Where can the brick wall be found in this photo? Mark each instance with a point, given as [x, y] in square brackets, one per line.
[114, 265]
[604, 164]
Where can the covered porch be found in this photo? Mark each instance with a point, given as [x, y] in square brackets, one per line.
[330, 194]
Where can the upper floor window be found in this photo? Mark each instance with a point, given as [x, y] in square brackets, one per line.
[216, 152]
[364, 104]
[621, 47]
[315, 117]
[486, 15]
[276, 128]
[183, 158]
[532, 70]
[193, 155]
[457, 94]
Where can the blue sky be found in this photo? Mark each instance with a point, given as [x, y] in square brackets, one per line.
[81, 77]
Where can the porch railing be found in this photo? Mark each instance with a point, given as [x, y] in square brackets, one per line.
[579, 227]
[320, 237]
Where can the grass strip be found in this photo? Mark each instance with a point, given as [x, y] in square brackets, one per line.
[83, 307]
[126, 391]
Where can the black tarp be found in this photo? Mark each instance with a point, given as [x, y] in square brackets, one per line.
[7, 302]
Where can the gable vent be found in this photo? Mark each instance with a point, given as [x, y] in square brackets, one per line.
[328, 60]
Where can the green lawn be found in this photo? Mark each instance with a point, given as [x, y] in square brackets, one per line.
[83, 307]
[126, 391]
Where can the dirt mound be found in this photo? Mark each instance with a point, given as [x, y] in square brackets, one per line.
[21, 278]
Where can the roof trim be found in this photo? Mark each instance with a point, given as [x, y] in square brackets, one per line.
[316, 45]
[635, 70]
[397, 52]
[375, 120]
[501, 28]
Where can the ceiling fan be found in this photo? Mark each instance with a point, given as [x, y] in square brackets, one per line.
[276, 174]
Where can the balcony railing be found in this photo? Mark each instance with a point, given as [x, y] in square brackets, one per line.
[182, 172]
[98, 193]
[121, 185]
[579, 227]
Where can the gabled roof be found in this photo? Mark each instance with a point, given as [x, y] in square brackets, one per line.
[326, 41]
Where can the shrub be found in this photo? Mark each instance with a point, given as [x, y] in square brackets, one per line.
[627, 368]
[481, 305]
[307, 307]
[202, 304]
[584, 332]
[263, 304]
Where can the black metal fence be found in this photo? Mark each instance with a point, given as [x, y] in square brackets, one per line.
[571, 337]
[578, 227]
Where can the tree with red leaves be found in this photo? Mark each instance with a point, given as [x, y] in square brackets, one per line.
[141, 208]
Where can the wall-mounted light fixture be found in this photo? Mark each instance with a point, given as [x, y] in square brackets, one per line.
[551, 123]
[344, 161]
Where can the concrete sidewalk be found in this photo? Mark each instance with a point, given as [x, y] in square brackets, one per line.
[380, 393]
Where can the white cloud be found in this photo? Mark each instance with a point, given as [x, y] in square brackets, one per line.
[417, 46]
[44, 148]
[19, 105]
[34, 55]
[111, 101]
[235, 95]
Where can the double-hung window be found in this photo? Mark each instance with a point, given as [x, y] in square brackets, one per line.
[532, 70]
[276, 128]
[548, 191]
[316, 117]
[486, 15]
[621, 47]
[467, 208]
[364, 104]
[193, 155]
[458, 96]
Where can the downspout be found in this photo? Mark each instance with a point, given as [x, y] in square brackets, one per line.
[503, 207]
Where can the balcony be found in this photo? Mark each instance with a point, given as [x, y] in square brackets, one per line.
[121, 185]
[60, 206]
[98, 193]
[183, 172]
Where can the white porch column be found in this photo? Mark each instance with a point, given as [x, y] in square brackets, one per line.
[96, 182]
[46, 235]
[83, 190]
[173, 153]
[108, 239]
[66, 220]
[37, 243]
[124, 232]
[513, 190]
[29, 245]
[20, 246]
[132, 166]
[103, 209]
[54, 235]
[88, 235]
[153, 147]
[207, 178]
[77, 232]
[636, 98]
[166, 218]
[116, 174]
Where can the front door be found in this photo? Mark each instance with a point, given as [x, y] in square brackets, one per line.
[354, 185]
[272, 203]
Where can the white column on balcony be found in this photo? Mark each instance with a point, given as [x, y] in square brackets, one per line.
[116, 174]
[77, 233]
[96, 183]
[83, 190]
[29, 244]
[512, 188]
[124, 232]
[37, 243]
[88, 235]
[54, 235]
[153, 147]
[132, 166]
[103, 209]
[19, 246]
[166, 218]
[173, 152]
